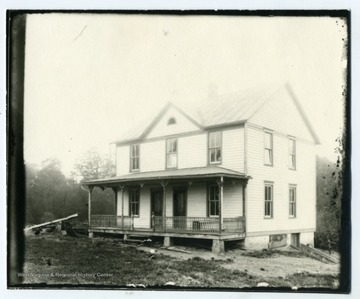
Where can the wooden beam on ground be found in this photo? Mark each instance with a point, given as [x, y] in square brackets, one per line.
[50, 222]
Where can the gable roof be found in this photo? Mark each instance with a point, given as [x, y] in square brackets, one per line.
[222, 110]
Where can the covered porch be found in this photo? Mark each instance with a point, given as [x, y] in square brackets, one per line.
[204, 203]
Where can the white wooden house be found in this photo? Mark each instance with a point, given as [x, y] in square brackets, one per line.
[240, 167]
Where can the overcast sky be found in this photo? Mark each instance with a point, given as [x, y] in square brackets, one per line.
[90, 77]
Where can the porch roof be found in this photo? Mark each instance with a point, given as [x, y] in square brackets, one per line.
[169, 174]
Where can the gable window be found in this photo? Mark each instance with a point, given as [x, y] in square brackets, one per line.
[213, 200]
[215, 147]
[171, 153]
[134, 202]
[268, 148]
[292, 201]
[269, 203]
[134, 157]
[171, 121]
[292, 153]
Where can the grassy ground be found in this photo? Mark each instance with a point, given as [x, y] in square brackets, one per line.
[64, 260]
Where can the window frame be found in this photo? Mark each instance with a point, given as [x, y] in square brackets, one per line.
[266, 200]
[215, 147]
[216, 201]
[167, 153]
[292, 203]
[292, 155]
[271, 149]
[135, 203]
[132, 158]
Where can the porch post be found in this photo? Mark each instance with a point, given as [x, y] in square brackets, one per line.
[244, 205]
[163, 184]
[122, 206]
[89, 204]
[221, 203]
[115, 189]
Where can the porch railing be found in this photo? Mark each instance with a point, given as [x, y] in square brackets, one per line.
[197, 224]
[172, 224]
[124, 222]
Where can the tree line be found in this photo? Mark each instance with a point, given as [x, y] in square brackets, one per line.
[51, 195]
[329, 194]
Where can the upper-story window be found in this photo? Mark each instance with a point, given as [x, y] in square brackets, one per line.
[268, 148]
[171, 121]
[215, 140]
[292, 153]
[134, 157]
[171, 153]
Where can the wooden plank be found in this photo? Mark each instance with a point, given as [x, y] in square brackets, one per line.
[51, 222]
[317, 254]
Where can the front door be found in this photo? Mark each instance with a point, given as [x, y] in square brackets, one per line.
[157, 207]
[179, 205]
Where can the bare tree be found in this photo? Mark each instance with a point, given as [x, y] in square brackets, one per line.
[92, 165]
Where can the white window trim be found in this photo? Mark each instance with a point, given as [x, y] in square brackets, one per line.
[136, 157]
[293, 187]
[217, 147]
[269, 184]
[292, 154]
[172, 153]
[271, 148]
[208, 199]
[131, 202]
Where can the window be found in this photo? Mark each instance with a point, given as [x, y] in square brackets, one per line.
[215, 147]
[292, 154]
[134, 157]
[213, 200]
[292, 201]
[171, 153]
[171, 121]
[268, 201]
[268, 148]
[134, 202]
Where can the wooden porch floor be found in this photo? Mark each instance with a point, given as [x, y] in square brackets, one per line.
[147, 232]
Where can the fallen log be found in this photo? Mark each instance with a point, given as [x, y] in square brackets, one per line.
[50, 222]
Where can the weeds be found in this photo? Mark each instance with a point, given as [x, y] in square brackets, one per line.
[128, 265]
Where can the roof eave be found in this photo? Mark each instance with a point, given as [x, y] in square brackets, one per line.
[114, 181]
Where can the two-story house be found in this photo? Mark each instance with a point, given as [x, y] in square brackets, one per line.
[240, 167]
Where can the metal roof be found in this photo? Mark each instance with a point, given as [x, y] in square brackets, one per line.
[170, 174]
[219, 110]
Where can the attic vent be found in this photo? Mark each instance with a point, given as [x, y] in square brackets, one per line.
[171, 121]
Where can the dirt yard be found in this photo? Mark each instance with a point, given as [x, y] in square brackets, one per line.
[56, 260]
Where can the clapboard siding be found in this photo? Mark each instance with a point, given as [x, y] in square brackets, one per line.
[281, 114]
[152, 156]
[233, 200]
[233, 149]
[183, 124]
[192, 151]
[196, 205]
[281, 176]
[122, 160]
